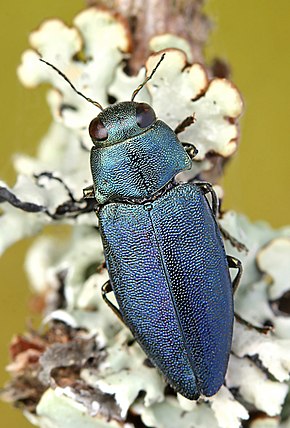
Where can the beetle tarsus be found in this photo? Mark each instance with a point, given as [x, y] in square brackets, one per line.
[234, 242]
[263, 330]
[235, 263]
[107, 288]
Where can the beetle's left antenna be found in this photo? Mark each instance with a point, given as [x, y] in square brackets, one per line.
[71, 85]
[147, 78]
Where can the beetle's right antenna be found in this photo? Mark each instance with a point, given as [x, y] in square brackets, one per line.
[71, 85]
[147, 78]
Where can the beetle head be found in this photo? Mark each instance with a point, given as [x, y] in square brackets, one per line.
[121, 122]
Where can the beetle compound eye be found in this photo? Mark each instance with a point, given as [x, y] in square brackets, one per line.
[97, 130]
[145, 115]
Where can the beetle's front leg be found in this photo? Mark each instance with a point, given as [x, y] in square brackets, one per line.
[190, 149]
[189, 120]
[106, 289]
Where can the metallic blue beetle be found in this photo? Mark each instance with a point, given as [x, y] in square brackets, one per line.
[164, 253]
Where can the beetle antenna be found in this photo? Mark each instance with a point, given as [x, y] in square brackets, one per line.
[71, 85]
[147, 78]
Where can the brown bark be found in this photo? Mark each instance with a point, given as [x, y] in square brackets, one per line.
[149, 18]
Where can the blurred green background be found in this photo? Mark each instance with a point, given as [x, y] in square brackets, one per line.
[252, 35]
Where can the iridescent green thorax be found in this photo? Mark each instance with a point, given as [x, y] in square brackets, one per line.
[134, 162]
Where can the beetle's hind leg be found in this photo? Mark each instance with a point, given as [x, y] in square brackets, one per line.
[234, 242]
[106, 289]
[208, 188]
[235, 264]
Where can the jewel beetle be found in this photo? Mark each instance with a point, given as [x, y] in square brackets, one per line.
[163, 248]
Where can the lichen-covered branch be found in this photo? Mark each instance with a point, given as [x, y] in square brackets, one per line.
[83, 368]
[152, 22]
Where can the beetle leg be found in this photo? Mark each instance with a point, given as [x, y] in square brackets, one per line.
[190, 149]
[234, 242]
[107, 288]
[208, 188]
[235, 264]
[265, 329]
[189, 120]
[89, 192]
